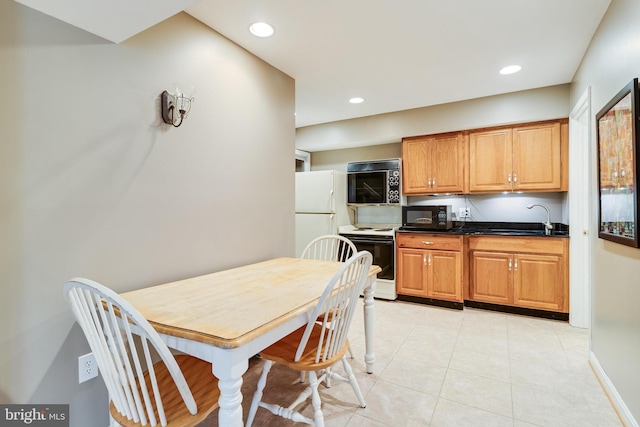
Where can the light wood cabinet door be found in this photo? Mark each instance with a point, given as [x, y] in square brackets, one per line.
[430, 266]
[538, 282]
[537, 157]
[490, 160]
[491, 277]
[433, 164]
[411, 272]
[528, 272]
[415, 166]
[444, 277]
[447, 164]
[519, 158]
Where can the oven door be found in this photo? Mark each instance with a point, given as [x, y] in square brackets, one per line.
[383, 250]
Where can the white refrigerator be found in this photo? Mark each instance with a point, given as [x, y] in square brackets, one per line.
[321, 205]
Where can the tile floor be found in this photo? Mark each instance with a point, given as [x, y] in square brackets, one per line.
[442, 367]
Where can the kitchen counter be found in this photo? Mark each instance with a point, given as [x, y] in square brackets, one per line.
[535, 229]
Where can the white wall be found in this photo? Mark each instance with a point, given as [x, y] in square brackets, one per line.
[516, 107]
[612, 60]
[93, 184]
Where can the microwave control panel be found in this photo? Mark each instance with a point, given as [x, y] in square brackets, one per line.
[393, 195]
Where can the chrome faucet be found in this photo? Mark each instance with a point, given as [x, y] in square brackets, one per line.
[547, 225]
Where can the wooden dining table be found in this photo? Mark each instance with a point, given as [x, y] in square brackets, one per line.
[229, 316]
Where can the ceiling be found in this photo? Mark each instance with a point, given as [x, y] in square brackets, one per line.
[406, 54]
[397, 55]
[113, 20]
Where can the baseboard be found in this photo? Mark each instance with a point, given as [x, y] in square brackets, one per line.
[616, 400]
[431, 301]
[554, 315]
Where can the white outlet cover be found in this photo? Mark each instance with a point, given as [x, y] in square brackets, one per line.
[87, 367]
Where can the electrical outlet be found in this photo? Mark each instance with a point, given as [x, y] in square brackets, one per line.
[87, 367]
[464, 213]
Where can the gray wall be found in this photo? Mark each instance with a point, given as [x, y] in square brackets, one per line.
[93, 184]
[612, 60]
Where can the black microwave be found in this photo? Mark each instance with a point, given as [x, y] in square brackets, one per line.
[437, 217]
[374, 182]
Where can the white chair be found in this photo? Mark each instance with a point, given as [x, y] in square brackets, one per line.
[176, 391]
[330, 247]
[314, 348]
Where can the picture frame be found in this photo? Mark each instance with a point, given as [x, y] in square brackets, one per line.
[617, 146]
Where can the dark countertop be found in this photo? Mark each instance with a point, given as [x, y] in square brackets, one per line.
[496, 228]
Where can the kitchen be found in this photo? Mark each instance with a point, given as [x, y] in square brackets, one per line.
[141, 195]
[380, 208]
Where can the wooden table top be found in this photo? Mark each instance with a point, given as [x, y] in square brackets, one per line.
[231, 307]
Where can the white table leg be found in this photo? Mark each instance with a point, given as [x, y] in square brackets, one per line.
[369, 357]
[228, 367]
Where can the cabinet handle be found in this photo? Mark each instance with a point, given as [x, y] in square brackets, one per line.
[433, 182]
[429, 259]
[424, 259]
[429, 182]
[515, 178]
[509, 178]
[516, 266]
[424, 242]
[509, 265]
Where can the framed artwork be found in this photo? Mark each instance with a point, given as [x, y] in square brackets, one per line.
[617, 125]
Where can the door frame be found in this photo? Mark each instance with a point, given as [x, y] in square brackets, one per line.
[580, 211]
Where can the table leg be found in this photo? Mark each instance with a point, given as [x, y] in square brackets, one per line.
[369, 357]
[229, 370]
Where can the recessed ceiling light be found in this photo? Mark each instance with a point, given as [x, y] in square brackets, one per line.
[261, 29]
[356, 100]
[510, 69]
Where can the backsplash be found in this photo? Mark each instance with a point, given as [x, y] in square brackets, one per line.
[371, 215]
[509, 207]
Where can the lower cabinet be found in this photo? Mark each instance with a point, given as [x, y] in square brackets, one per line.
[430, 266]
[528, 272]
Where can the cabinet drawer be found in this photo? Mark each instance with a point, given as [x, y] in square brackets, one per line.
[535, 245]
[429, 241]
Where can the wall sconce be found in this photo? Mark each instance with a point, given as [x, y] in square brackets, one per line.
[174, 107]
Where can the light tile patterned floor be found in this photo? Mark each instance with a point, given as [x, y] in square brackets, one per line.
[441, 367]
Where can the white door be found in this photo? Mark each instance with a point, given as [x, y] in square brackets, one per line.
[310, 226]
[315, 192]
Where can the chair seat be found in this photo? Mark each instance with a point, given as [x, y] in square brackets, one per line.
[203, 387]
[284, 351]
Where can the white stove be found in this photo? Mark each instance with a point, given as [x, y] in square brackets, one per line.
[379, 239]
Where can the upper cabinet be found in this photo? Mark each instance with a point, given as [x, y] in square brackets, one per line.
[529, 157]
[526, 157]
[433, 164]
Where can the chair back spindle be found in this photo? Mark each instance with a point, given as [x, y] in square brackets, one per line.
[336, 306]
[329, 248]
[110, 324]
